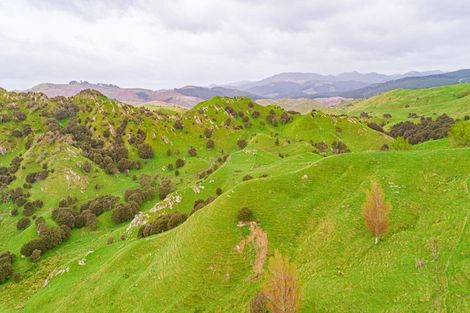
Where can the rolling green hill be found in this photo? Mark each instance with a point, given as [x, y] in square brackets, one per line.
[453, 100]
[306, 202]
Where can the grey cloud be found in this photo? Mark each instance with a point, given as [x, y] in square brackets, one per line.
[165, 43]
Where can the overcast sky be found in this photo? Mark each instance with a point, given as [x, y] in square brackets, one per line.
[170, 43]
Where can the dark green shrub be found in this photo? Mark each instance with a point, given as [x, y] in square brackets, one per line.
[210, 144]
[192, 151]
[166, 188]
[179, 163]
[245, 215]
[23, 223]
[145, 151]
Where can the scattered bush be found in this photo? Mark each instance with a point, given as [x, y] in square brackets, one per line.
[163, 223]
[321, 146]
[241, 143]
[208, 133]
[192, 151]
[6, 265]
[210, 144]
[339, 147]
[247, 177]
[166, 188]
[145, 151]
[179, 163]
[199, 204]
[376, 127]
[23, 223]
[245, 215]
[178, 124]
[124, 212]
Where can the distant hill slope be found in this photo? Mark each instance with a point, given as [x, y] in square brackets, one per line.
[303, 105]
[126, 95]
[456, 77]
[209, 92]
[453, 100]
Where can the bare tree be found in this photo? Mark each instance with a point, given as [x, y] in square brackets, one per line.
[282, 289]
[376, 211]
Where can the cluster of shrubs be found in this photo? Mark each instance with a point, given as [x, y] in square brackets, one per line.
[68, 214]
[49, 237]
[220, 160]
[6, 265]
[5, 117]
[321, 147]
[200, 203]
[65, 110]
[241, 143]
[134, 198]
[7, 174]
[23, 132]
[162, 224]
[18, 196]
[31, 178]
[339, 147]
[114, 157]
[426, 129]
[30, 207]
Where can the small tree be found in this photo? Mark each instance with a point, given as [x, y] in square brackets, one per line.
[459, 134]
[376, 210]
[241, 143]
[401, 144]
[282, 289]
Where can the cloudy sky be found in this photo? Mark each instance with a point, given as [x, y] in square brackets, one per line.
[170, 43]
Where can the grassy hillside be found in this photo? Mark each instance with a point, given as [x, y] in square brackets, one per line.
[307, 202]
[453, 100]
[195, 265]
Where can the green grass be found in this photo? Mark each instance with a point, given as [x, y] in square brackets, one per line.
[309, 205]
[317, 221]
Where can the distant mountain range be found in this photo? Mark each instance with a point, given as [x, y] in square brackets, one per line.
[126, 95]
[312, 85]
[279, 86]
[437, 80]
